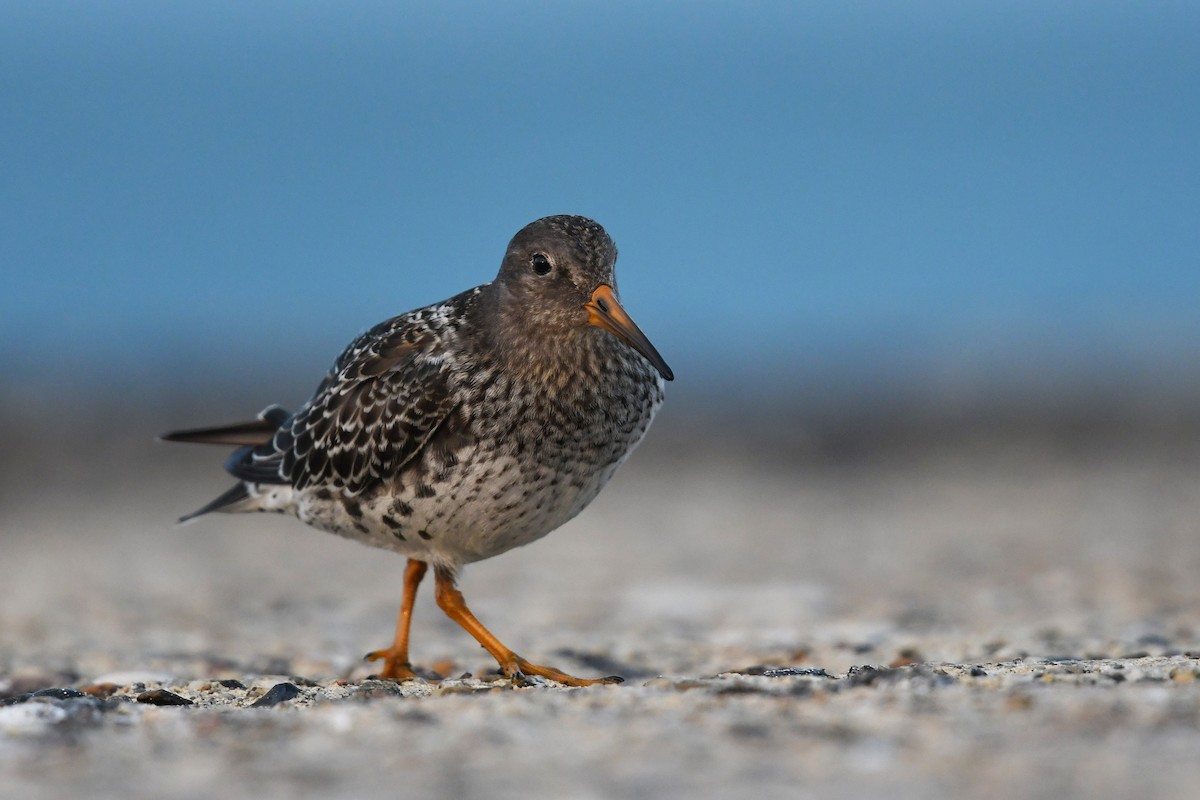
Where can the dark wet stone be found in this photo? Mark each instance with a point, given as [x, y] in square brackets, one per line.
[787, 672]
[978, 672]
[161, 697]
[60, 694]
[279, 693]
[230, 683]
[865, 675]
[80, 712]
[16, 699]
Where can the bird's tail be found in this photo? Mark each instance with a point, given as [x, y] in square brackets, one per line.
[230, 498]
[255, 432]
[241, 434]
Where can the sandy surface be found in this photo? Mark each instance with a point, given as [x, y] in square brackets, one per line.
[1017, 621]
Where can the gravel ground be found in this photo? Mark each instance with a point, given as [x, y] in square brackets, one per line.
[1017, 621]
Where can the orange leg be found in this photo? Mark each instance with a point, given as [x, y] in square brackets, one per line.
[396, 665]
[451, 601]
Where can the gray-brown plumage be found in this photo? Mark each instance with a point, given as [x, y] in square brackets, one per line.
[464, 429]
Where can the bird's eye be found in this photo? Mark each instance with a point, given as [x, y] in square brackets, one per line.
[540, 264]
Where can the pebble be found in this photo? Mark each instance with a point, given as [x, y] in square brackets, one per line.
[279, 693]
[161, 697]
[60, 694]
[787, 672]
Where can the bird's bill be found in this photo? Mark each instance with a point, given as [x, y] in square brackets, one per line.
[606, 313]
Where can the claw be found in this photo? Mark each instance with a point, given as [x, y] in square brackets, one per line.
[394, 669]
[518, 669]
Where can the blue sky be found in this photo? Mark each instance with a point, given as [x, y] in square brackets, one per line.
[885, 190]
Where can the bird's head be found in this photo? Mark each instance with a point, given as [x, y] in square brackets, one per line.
[559, 275]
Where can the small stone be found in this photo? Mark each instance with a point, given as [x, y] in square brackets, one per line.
[161, 697]
[788, 672]
[531, 681]
[230, 683]
[906, 658]
[864, 675]
[57, 693]
[279, 693]
[978, 672]
[372, 689]
[101, 690]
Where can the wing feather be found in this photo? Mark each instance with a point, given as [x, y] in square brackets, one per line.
[384, 398]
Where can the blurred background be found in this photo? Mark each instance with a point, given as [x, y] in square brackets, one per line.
[927, 273]
[859, 232]
[852, 216]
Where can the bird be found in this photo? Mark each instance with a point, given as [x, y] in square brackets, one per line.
[458, 431]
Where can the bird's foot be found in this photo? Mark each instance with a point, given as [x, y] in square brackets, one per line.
[517, 668]
[396, 666]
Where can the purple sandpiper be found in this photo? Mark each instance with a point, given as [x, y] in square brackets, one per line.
[461, 430]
